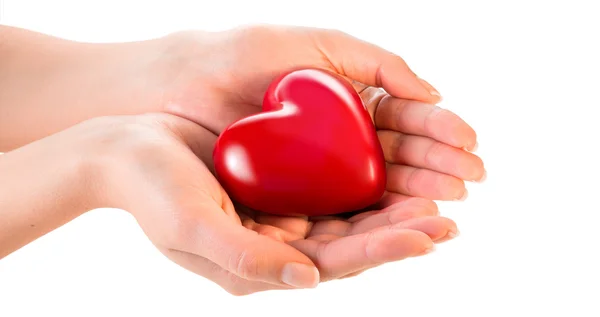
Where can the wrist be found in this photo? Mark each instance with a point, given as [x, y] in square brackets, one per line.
[47, 185]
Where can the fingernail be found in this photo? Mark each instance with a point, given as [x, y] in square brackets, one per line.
[472, 148]
[300, 275]
[483, 177]
[464, 196]
[435, 93]
[428, 250]
[453, 234]
[431, 89]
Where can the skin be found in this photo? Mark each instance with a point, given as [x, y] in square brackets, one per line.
[149, 166]
[132, 125]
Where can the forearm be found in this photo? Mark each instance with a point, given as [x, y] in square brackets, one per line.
[48, 84]
[42, 187]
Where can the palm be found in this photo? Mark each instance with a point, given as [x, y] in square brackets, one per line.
[342, 247]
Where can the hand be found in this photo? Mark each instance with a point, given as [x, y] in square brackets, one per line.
[221, 77]
[216, 78]
[149, 166]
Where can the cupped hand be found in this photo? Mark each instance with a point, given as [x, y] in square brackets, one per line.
[158, 167]
[220, 77]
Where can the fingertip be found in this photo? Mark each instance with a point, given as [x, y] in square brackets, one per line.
[462, 195]
[396, 77]
[419, 238]
[300, 275]
[397, 243]
[470, 141]
[452, 234]
[483, 177]
[450, 188]
[434, 227]
[427, 250]
[427, 204]
[469, 137]
[434, 95]
[453, 130]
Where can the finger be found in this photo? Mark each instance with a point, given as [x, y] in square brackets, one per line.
[332, 226]
[430, 88]
[389, 199]
[392, 200]
[424, 152]
[417, 118]
[325, 237]
[377, 218]
[209, 233]
[435, 227]
[439, 230]
[298, 226]
[373, 66]
[424, 183]
[346, 255]
[230, 282]
[272, 232]
[331, 237]
[371, 97]
[390, 217]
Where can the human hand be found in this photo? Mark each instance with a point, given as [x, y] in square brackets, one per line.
[221, 77]
[149, 166]
[215, 78]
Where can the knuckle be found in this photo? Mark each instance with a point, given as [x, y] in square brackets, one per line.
[245, 265]
[400, 118]
[397, 148]
[413, 180]
[429, 123]
[433, 154]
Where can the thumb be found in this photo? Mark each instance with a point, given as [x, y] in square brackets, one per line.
[205, 229]
[244, 252]
[374, 66]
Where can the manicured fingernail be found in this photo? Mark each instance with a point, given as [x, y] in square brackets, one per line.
[464, 196]
[300, 275]
[431, 89]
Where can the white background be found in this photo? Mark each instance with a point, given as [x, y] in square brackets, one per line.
[525, 74]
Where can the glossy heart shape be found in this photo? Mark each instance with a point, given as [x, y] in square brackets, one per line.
[313, 150]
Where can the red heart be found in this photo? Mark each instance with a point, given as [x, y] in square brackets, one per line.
[312, 151]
